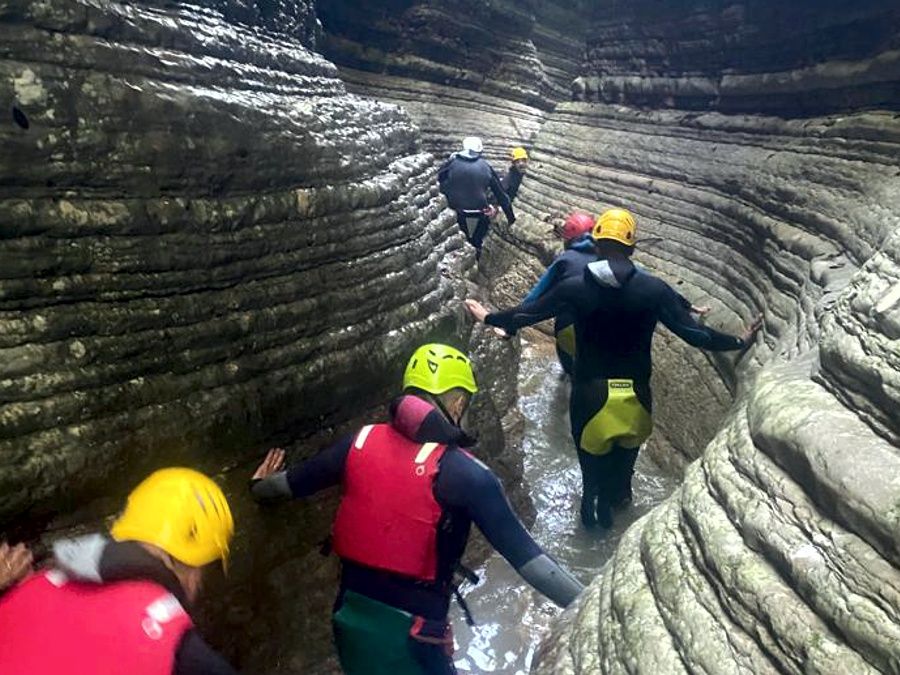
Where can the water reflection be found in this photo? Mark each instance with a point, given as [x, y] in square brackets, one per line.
[511, 617]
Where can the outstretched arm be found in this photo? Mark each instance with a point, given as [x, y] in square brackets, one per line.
[676, 317]
[272, 482]
[466, 483]
[553, 302]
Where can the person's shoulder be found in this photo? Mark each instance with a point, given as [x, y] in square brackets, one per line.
[459, 461]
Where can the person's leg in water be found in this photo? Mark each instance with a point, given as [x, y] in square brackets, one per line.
[590, 488]
[626, 457]
[433, 658]
[587, 399]
[624, 472]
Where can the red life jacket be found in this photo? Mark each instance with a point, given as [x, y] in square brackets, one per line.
[388, 516]
[52, 626]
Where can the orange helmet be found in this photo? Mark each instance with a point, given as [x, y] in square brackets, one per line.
[577, 223]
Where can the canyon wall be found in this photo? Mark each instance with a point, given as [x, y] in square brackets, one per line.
[781, 551]
[209, 246]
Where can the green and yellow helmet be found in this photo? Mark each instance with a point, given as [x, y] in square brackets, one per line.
[437, 368]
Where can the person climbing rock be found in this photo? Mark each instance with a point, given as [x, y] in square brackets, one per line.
[512, 180]
[15, 564]
[465, 179]
[117, 604]
[411, 489]
[616, 308]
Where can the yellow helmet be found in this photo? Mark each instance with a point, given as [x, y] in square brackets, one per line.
[437, 368]
[182, 512]
[615, 224]
[518, 153]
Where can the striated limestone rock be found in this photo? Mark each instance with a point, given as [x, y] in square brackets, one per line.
[461, 68]
[781, 551]
[209, 246]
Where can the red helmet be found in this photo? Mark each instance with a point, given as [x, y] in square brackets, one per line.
[577, 223]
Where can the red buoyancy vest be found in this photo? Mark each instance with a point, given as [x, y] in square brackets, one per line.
[388, 516]
[50, 626]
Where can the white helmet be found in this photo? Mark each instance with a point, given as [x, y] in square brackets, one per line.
[473, 144]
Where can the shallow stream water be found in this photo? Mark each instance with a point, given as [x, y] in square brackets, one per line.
[511, 618]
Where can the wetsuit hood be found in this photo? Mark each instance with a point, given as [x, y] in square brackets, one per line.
[611, 272]
[420, 421]
[583, 243]
[96, 558]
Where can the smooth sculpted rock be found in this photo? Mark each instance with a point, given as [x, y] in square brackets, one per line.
[781, 551]
[209, 246]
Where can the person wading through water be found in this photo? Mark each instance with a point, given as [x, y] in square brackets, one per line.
[616, 308]
[411, 489]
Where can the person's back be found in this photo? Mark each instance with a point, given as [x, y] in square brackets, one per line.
[465, 179]
[615, 323]
[410, 494]
[468, 178]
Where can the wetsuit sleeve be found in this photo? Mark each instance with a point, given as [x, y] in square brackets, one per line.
[502, 198]
[195, 657]
[444, 173]
[322, 470]
[676, 317]
[557, 300]
[467, 484]
[545, 282]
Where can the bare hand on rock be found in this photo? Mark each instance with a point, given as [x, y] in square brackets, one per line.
[703, 310]
[476, 309]
[15, 563]
[273, 463]
[751, 330]
[479, 311]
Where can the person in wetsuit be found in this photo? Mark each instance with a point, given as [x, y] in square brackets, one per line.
[118, 604]
[579, 251]
[616, 308]
[411, 489]
[512, 179]
[465, 179]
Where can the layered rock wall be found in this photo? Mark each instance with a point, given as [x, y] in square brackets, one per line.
[463, 68]
[780, 551]
[208, 245]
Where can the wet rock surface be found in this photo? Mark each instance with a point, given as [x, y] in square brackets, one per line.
[210, 247]
[214, 239]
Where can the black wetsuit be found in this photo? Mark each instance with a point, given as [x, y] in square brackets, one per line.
[512, 181]
[570, 263]
[465, 179]
[616, 309]
[467, 491]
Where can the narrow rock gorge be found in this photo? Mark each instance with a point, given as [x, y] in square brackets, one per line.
[221, 230]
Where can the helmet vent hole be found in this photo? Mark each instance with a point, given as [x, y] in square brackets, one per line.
[432, 366]
[200, 501]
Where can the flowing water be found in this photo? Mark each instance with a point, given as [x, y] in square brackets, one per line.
[511, 617]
